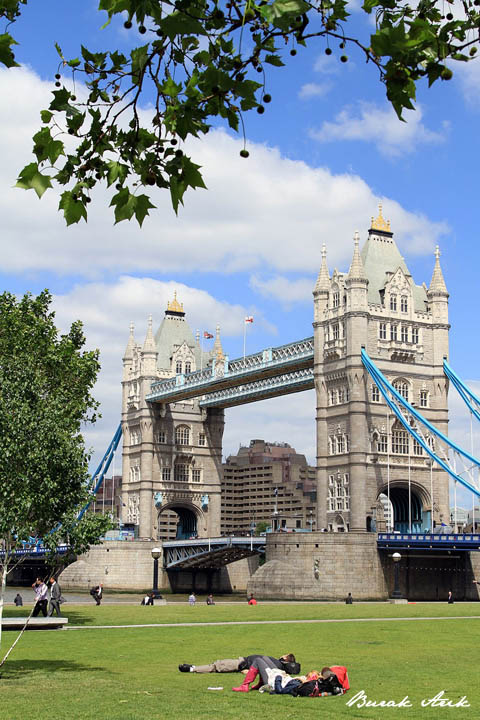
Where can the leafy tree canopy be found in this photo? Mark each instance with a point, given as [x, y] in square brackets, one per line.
[206, 59]
[45, 397]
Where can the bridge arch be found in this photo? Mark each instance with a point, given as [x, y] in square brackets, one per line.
[406, 506]
[190, 519]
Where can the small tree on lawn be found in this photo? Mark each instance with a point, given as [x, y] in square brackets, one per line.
[45, 397]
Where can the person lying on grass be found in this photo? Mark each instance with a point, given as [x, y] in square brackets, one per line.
[240, 664]
[331, 681]
[258, 665]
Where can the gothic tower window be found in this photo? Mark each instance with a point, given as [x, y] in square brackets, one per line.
[399, 440]
[393, 302]
[415, 336]
[404, 333]
[178, 367]
[165, 474]
[188, 367]
[393, 332]
[182, 435]
[404, 304]
[336, 299]
[382, 444]
[417, 448]
[375, 394]
[401, 386]
[196, 475]
[336, 331]
[181, 472]
[202, 440]
[423, 398]
[382, 331]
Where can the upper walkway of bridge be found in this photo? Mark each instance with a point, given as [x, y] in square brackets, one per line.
[270, 372]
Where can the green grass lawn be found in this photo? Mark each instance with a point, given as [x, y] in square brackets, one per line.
[131, 673]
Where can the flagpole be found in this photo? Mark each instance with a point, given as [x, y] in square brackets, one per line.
[201, 352]
[244, 337]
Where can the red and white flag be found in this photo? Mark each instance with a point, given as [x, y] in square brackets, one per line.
[249, 319]
[207, 335]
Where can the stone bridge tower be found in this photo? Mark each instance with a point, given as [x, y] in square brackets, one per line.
[172, 453]
[363, 454]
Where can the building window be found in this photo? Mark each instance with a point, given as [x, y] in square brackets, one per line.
[161, 437]
[188, 367]
[341, 395]
[165, 474]
[336, 299]
[135, 475]
[393, 302]
[135, 436]
[382, 445]
[331, 445]
[178, 367]
[417, 448]
[382, 331]
[202, 439]
[415, 336]
[375, 394]
[401, 386]
[196, 475]
[340, 444]
[393, 332]
[338, 492]
[181, 472]
[332, 396]
[400, 442]
[423, 398]
[336, 331]
[404, 333]
[182, 435]
[404, 304]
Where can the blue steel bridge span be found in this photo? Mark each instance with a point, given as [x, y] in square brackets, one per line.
[268, 373]
[209, 553]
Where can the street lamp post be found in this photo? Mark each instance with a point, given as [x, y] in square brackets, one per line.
[156, 553]
[396, 595]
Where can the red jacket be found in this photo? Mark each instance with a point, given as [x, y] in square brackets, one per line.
[342, 675]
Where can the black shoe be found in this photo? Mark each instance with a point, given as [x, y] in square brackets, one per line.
[184, 667]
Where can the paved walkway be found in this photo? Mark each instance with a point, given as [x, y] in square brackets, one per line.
[269, 622]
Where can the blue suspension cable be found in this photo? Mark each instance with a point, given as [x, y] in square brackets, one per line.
[463, 390]
[385, 387]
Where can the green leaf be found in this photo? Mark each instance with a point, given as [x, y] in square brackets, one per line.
[46, 116]
[171, 88]
[274, 60]
[116, 171]
[124, 203]
[73, 209]
[142, 206]
[7, 57]
[179, 24]
[31, 178]
[139, 58]
[74, 63]
[45, 147]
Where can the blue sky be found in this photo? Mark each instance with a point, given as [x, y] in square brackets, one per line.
[326, 151]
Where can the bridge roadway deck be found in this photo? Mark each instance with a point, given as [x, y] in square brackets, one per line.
[275, 371]
[209, 553]
[428, 541]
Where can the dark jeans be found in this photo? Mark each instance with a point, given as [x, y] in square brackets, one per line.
[40, 606]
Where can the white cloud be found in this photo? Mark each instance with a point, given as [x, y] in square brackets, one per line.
[283, 289]
[267, 213]
[380, 127]
[310, 90]
[106, 311]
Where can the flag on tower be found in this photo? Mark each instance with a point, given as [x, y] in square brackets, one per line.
[249, 319]
[207, 335]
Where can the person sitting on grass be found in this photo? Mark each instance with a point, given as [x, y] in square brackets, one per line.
[210, 600]
[331, 681]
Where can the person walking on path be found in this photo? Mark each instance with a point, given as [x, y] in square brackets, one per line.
[192, 599]
[55, 595]
[97, 592]
[18, 600]
[41, 592]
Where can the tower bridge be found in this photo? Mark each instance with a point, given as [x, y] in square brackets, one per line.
[380, 340]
